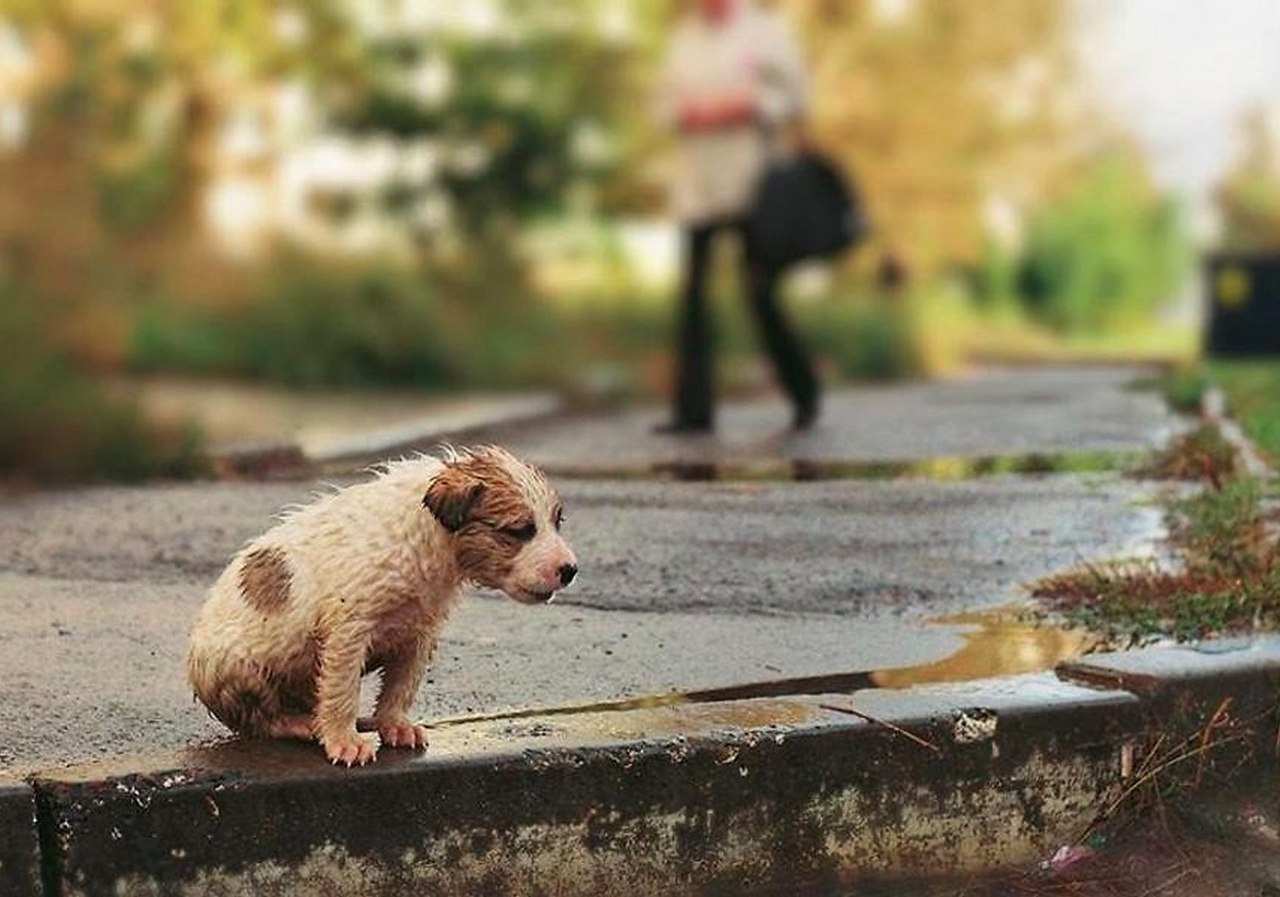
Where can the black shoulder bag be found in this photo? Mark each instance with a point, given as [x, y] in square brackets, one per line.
[804, 209]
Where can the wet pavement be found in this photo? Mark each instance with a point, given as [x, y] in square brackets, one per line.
[1008, 413]
[685, 586]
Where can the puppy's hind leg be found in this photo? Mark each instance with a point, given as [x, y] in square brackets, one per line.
[299, 726]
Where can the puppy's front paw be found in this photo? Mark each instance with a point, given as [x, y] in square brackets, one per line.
[402, 733]
[351, 749]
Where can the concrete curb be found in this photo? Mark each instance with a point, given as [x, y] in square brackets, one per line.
[289, 460]
[698, 798]
[19, 848]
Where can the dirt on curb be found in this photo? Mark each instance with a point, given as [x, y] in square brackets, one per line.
[1224, 844]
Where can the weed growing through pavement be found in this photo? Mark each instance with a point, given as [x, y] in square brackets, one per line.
[1252, 392]
[1227, 578]
[1179, 822]
[1202, 454]
[1168, 769]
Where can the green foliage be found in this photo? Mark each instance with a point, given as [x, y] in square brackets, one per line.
[1105, 255]
[526, 124]
[1184, 388]
[136, 197]
[56, 425]
[308, 325]
[1252, 390]
[864, 338]
[1228, 576]
[387, 325]
[995, 283]
[1220, 528]
[1196, 614]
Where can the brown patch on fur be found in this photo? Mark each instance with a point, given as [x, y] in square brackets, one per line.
[265, 579]
[452, 496]
[486, 550]
[486, 556]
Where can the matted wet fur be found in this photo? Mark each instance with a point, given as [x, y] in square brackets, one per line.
[363, 579]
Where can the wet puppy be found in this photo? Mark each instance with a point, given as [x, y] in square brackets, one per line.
[363, 579]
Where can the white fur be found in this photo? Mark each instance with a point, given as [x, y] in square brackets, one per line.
[372, 579]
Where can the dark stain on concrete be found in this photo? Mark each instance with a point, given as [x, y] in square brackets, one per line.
[19, 850]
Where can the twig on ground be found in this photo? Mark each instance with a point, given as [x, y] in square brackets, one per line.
[911, 736]
[1206, 734]
[1162, 886]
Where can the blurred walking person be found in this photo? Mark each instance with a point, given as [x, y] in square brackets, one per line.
[733, 84]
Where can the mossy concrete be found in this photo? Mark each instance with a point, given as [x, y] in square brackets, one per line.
[765, 795]
[714, 798]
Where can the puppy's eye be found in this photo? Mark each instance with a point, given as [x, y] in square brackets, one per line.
[559, 517]
[522, 533]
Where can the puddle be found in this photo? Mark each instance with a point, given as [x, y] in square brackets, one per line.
[1001, 642]
[941, 469]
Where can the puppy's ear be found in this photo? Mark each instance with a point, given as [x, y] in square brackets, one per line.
[451, 498]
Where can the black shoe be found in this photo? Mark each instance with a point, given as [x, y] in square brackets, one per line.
[681, 427]
[806, 413]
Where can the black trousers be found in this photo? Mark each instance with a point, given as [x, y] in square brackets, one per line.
[695, 399]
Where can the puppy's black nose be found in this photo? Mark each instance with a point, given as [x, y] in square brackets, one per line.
[567, 573]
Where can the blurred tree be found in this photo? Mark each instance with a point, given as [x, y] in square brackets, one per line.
[146, 121]
[524, 109]
[122, 105]
[136, 134]
[1104, 254]
[1249, 197]
[937, 105]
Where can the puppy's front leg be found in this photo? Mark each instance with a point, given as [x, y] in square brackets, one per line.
[342, 656]
[400, 680]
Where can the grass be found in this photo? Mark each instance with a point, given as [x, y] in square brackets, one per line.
[1227, 578]
[307, 325]
[313, 322]
[1252, 391]
[1184, 388]
[864, 339]
[1202, 454]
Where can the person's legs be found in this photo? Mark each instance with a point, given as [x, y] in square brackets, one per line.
[790, 361]
[694, 399]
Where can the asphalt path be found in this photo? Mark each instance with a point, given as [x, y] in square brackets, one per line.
[683, 585]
